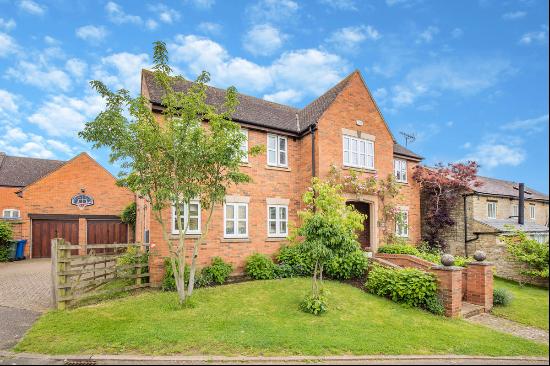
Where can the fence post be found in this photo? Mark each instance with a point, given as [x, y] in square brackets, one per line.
[139, 254]
[62, 256]
[54, 268]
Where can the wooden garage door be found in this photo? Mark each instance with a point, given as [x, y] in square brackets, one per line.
[107, 232]
[43, 231]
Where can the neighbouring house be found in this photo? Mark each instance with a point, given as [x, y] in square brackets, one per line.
[77, 200]
[495, 208]
[343, 127]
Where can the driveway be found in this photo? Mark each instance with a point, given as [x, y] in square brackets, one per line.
[25, 289]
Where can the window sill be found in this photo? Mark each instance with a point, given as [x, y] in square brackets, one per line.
[276, 238]
[280, 168]
[235, 240]
[365, 170]
[187, 236]
[403, 183]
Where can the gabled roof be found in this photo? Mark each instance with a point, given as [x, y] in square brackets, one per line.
[508, 225]
[17, 171]
[499, 187]
[260, 112]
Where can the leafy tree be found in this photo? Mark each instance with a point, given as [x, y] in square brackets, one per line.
[328, 229]
[192, 152]
[441, 188]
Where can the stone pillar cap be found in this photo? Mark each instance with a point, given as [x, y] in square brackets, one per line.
[481, 263]
[448, 268]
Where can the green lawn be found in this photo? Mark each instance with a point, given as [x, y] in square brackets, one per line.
[529, 306]
[262, 318]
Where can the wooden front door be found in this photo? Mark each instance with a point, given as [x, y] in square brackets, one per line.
[107, 232]
[43, 231]
[364, 236]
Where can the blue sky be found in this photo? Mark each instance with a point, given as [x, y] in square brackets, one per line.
[469, 78]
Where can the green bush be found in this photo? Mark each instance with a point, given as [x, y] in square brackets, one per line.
[295, 258]
[502, 297]
[410, 286]
[533, 254]
[352, 265]
[316, 305]
[129, 215]
[434, 305]
[260, 267]
[6, 235]
[216, 273]
[398, 249]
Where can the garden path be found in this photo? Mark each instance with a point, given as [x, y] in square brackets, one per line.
[511, 327]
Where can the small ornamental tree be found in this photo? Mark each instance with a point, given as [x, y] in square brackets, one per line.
[328, 229]
[192, 152]
[441, 188]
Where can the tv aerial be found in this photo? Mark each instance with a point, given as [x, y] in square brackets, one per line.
[409, 137]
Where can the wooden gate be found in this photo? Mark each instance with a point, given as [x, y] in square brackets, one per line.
[43, 231]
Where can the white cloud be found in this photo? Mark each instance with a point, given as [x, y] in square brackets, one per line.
[427, 35]
[340, 4]
[31, 7]
[539, 37]
[41, 75]
[311, 71]
[268, 11]
[165, 14]
[457, 33]
[492, 154]
[263, 40]
[9, 105]
[21, 143]
[122, 70]
[288, 96]
[203, 4]
[62, 115]
[465, 76]
[51, 41]
[151, 24]
[403, 3]
[350, 38]
[210, 28]
[8, 45]
[7, 24]
[514, 15]
[76, 67]
[116, 14]
[92, 33]
[529, 125]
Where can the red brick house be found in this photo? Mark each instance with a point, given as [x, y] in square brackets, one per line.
[343, 127]
[76, 199]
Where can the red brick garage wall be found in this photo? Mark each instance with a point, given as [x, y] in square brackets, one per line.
[52, 194]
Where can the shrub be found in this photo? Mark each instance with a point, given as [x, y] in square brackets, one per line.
[216, 273]
[6, 235]
[128, 215]
[294, 257]
[316, 305]
[398, 249]
[133, 255]
[523, 248]
[434, 305]
[502, 297]
[283, 270]
[260, 267]
[410, 286]
[352, 265]
[169, 282]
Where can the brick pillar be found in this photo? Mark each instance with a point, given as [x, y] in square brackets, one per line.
[449, 281]
[156, 270]
[480, 284]
[82, 235]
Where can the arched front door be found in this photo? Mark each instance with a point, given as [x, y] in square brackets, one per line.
[365, 237]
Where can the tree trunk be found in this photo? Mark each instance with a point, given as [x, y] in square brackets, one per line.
[196, 248]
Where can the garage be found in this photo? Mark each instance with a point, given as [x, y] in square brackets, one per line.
[43, 231]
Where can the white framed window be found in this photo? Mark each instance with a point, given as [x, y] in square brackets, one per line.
[11, 213]
[358, 153]
[540, 237]
[244, 145]
[277, 221]
[532, 212]
[400, 170]
[402, 223]
[515, 210]
[235, 220]
[491, 210]
[190, 218]
[277, 150]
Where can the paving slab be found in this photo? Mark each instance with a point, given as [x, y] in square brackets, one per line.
[26, 284]
[511, 327]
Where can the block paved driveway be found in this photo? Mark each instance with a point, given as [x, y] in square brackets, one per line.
[25, 293]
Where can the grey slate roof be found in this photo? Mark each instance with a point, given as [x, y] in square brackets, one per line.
[504, 225]
[260, 112]
[16, 171]
[498, 187]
